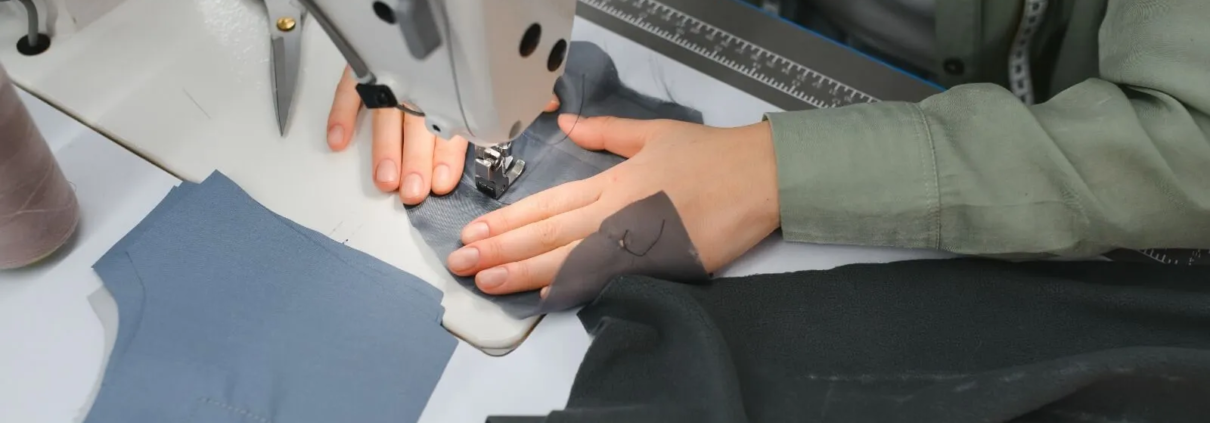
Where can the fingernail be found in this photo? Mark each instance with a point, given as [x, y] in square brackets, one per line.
[413, 186]
[336, 134]
[474, 232]
[441, 175]
[463, 259]
[544, 292]
[568, 119]
[387, 171]
[492, 278]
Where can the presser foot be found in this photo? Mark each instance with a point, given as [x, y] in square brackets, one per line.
[496, 169]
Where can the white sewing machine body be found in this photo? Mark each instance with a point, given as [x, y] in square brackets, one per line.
[480, 69]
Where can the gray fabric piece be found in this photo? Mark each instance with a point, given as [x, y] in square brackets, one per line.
[644, 238]
[230, 313]
[124, 285]
[589, 87]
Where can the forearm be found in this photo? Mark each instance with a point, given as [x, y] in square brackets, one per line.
[1122, 161]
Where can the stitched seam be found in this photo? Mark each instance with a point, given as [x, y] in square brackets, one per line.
[866, 240]
[235, 410]
[935, 208]
[932, 237]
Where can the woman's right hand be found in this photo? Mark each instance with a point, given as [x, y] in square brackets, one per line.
[407, 158]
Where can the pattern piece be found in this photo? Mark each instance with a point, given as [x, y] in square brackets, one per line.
[230, 313]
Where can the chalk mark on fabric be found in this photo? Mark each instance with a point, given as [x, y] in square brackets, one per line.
[236, 410]
[866, 378]
[827, 400]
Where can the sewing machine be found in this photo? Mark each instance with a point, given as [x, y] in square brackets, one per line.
[193, 110]
[479, 69]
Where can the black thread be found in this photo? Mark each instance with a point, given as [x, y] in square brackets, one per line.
[659, 234]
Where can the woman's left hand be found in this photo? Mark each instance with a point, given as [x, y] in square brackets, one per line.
[723, 182]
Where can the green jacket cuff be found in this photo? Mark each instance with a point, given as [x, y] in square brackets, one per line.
[859, 175]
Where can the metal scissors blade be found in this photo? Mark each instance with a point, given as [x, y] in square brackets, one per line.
[285, 42]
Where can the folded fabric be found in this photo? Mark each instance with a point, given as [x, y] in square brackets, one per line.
[922, 341]
[230, 313]
[589, 87]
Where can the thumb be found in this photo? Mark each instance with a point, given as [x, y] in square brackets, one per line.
[623, 137]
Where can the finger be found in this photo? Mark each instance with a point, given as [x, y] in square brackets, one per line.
[553, 105]
[449, 157]
[528, 241]
[343, 117]
[537, 207]
[418, 144]
[623, 137]
[527, 275]
[388, 145]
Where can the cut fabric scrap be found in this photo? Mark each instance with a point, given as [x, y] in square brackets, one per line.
[231, 313]
[922, 341]
[589, 87]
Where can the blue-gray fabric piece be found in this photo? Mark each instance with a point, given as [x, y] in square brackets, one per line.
[590, 86]
[229, 313]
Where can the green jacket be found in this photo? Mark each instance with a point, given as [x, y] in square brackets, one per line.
[1117, 155]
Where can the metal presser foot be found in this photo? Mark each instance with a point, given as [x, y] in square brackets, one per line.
[496, 169]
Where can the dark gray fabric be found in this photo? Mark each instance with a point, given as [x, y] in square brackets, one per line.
[904, 29]
[589, 87]
[923, 341]
[230, 313]
[646, 237]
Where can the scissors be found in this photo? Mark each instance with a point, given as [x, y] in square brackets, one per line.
[285, 42]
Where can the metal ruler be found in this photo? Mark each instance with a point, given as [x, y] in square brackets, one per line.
[1163, 256]
[738, 54]
[778, 61]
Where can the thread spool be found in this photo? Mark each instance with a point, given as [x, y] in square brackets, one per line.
[38, 208]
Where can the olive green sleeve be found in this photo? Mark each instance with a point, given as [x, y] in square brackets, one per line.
[1117, 162]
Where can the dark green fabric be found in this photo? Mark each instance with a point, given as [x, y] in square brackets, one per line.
[924, 341]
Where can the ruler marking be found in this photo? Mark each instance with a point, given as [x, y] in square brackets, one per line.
[713, 43]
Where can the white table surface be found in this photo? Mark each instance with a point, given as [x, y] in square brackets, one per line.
[53, 346]
[186, 84]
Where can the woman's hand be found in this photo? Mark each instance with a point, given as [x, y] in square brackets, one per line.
[406, 157]
[723, 182]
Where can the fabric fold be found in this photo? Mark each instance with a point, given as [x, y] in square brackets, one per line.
[941, 341]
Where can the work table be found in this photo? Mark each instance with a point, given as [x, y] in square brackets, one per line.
[130, 115]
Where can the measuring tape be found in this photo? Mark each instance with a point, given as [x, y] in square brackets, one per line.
[727, 49]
